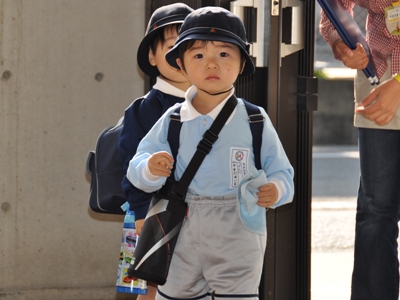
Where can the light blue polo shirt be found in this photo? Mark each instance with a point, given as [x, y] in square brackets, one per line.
[229, 160]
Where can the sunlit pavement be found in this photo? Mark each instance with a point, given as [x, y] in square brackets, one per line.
[332, 250]
[335, 185]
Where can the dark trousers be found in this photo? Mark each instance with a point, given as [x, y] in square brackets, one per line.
[376, 265]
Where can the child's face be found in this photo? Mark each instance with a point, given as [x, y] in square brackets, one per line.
[212, 66]
[171, 74]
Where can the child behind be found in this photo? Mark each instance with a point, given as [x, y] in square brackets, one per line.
[170, 87]
[220, 249]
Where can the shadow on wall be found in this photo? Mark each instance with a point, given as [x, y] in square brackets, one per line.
[333, 121]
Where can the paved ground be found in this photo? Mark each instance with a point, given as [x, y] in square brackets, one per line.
[335, 183]
[331, 277]
[332, 250]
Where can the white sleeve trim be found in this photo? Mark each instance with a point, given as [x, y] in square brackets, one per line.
[148, 176]
[280, 187]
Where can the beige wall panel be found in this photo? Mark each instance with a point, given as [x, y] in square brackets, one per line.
[51, 111]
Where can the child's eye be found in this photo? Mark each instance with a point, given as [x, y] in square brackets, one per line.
[224, 54]
[198, 56]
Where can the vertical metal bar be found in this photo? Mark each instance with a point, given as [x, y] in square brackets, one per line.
[268, 287]
[274, 69]
[304, 161]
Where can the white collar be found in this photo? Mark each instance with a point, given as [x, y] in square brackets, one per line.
[167, 88]
[188, 112]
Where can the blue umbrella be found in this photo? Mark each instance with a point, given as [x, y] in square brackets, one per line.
[350, 33]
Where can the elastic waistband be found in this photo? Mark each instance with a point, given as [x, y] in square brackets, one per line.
[218, 200]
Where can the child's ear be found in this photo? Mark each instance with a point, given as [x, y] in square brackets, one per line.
[178, 61]
[244, 63]
[152, 58]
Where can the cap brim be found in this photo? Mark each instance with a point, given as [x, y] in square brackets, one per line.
[173, 54]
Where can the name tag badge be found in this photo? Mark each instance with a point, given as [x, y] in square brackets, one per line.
[239, 165]
[392, 17]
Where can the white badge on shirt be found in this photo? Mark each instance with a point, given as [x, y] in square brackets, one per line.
[239, 160]
[392, 17]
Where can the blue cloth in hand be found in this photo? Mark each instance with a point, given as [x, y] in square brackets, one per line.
[253, 216]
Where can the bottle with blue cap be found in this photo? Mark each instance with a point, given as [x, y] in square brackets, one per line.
[128, 246]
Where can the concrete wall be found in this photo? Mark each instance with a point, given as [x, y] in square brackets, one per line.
[52, 108]
[333, 121]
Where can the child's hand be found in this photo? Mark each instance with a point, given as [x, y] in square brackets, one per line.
[151, 292]
[160, 164]
[138, 225]
[267, 195]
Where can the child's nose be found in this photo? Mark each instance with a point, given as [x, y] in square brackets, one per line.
[212, 64]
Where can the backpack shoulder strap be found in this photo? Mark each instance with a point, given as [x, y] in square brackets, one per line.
[174, 131]
[256, 120]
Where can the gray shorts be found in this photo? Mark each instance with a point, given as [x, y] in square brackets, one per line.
[214, 253]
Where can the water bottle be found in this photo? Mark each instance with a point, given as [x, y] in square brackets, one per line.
[128, 245]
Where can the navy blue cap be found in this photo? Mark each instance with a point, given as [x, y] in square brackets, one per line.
[161, 17]
[213, 24]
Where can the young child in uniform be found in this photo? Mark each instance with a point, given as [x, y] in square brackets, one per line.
[220, 249]
[169, 89]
